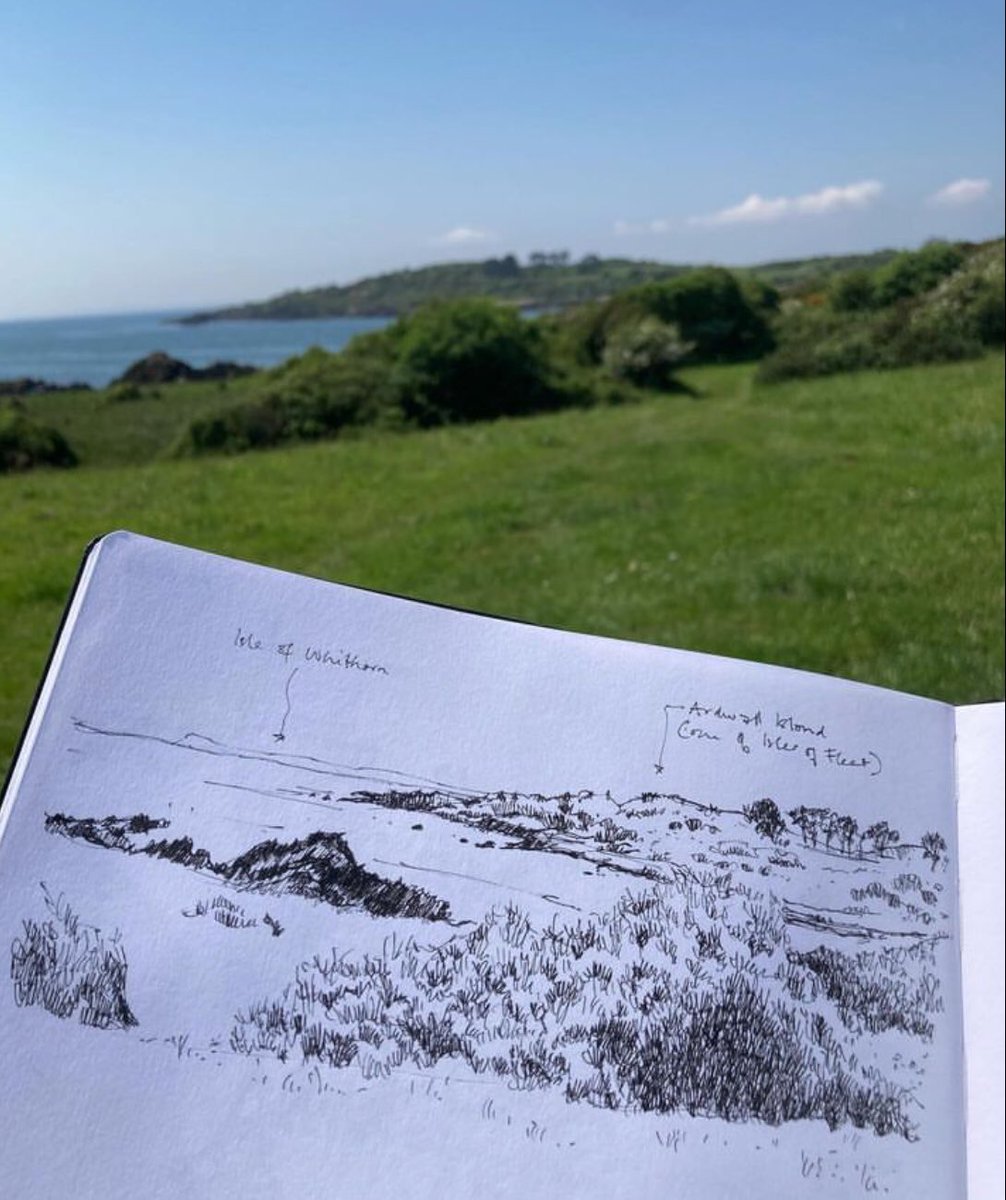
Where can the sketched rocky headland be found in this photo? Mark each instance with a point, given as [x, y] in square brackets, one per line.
[701, 982]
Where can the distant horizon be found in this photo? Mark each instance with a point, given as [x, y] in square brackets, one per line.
[170, 310]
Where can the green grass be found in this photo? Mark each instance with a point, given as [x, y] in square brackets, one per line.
[851, 525]
[106, 433]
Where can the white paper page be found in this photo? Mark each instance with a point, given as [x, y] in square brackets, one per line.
[980, 790]
[312, 892]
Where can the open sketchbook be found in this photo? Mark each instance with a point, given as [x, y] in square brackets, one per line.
[310, 891]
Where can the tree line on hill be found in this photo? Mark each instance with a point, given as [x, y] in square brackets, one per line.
[836, 832]
[548, 279]
[474, 359]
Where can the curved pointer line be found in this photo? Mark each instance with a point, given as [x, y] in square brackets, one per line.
[659, 764]
[281, 735]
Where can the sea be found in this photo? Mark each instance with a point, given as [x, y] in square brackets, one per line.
[97, 349]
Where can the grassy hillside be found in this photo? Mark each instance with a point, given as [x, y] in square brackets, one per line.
[528, 285]
[850, 525]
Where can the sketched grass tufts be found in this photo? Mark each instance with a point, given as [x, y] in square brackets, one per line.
[69, 968]
[683, 997]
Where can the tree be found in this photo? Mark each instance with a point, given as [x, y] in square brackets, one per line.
[549, 258]
[882, 836]
[830, 826]
[934, 848]
[847, 827]
[765, 816]
[809, 821]
[502, 268]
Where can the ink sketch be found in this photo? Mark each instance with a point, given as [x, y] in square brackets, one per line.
[710, 946]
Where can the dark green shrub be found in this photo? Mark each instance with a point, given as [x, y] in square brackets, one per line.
[316, 395]
[853, 291]
[119, 393]
[721, 318]
[956, 319]
[714, 312]
[471, 360]
[25, 443]
[916, 271]
[818, 342]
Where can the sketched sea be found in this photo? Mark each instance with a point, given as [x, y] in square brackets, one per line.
[95, 350]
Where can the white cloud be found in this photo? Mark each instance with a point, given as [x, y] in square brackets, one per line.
[463, 235]
[827, 200]
[635, 228]
[961, 191]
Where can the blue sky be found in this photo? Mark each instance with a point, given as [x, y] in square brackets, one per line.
[170, 155]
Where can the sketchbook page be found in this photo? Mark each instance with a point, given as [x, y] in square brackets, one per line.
[308, 891]
[980, 787]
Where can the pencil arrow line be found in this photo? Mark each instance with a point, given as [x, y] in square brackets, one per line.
[280, 734]
[658, 766]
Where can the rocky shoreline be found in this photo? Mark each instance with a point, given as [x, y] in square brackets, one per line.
[155, 368]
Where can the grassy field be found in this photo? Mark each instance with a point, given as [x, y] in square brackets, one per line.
[851, 525]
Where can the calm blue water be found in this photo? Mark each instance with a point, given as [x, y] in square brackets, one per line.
[96, 350]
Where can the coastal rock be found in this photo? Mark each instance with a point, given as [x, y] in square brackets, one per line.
[160, 367]
[27, 386]
[157, 367]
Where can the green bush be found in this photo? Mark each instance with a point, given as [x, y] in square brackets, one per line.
[25, 443]
[714, 312]
[471, 360]
[315, 395]
[916, 271]
[955, 319]
[853, 291]
[973, 297]
[120, 393]
[645, 353]
[721, 318]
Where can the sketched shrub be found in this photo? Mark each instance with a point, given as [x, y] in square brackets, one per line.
[613, 837]
[873, 991]
[682, 997]
[225, 912]
[69, 968]
[934, 849]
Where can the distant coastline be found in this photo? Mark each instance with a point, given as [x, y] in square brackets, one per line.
[545, 281]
